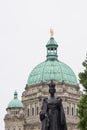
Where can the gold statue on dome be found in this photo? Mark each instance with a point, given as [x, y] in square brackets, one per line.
[51, 32]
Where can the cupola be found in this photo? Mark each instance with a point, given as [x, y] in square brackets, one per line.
[15, 103]
[52, 48]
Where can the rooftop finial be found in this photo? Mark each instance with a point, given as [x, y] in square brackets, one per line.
[15, 94]
[51, 32]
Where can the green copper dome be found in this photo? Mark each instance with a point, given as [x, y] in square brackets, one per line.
[52, 68]
[15, 103]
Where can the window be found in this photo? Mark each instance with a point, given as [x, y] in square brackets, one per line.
[32, 111]
[37, 111]
[76, 112]
[28, 111]
[67, 110]
[72, 111]
[16, 112]
[55, 50]
[51, 50]
[48, 50]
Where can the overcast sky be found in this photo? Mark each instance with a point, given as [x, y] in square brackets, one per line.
[24, 32]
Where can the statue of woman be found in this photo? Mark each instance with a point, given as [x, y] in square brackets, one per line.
[52, 113]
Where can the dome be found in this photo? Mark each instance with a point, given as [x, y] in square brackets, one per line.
[52, 68]
[15, 103]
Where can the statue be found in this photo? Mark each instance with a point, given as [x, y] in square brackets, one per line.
[52, 113]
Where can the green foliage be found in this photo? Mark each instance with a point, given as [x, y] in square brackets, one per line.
[83, 76]
[82, 107]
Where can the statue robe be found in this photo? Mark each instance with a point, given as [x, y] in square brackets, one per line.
[52, 115]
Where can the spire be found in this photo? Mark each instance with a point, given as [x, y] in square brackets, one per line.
[52, 47]
[15, 94]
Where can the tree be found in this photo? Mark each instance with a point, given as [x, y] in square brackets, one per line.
[82, 106]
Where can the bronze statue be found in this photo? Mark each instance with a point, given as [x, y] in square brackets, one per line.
[52, 113]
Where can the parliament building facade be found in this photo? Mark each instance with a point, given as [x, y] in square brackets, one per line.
[24, 114]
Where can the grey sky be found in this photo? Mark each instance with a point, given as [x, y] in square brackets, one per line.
[24, 32]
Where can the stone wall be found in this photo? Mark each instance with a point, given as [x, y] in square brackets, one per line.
[33, 96]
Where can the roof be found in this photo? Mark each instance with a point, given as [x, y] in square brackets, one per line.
[15, 103]
[52, 68]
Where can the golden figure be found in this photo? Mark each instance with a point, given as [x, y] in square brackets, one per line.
[51, 32]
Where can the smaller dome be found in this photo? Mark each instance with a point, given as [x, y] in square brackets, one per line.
[15, 103]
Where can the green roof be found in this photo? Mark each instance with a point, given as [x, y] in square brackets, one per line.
[15, 103]
[52, 42]
[52, 68]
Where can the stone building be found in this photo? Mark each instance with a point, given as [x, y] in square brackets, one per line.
[14, 119]
[24, 115]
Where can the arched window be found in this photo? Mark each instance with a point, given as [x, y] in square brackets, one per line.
[37, 111]
[32, 111]
[67, 110]
[76, 112]
[28, 111]
[72, 111]
[16, 112]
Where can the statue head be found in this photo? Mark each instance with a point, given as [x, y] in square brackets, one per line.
[52, 89]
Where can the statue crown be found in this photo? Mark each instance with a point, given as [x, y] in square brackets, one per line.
[51, 85]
